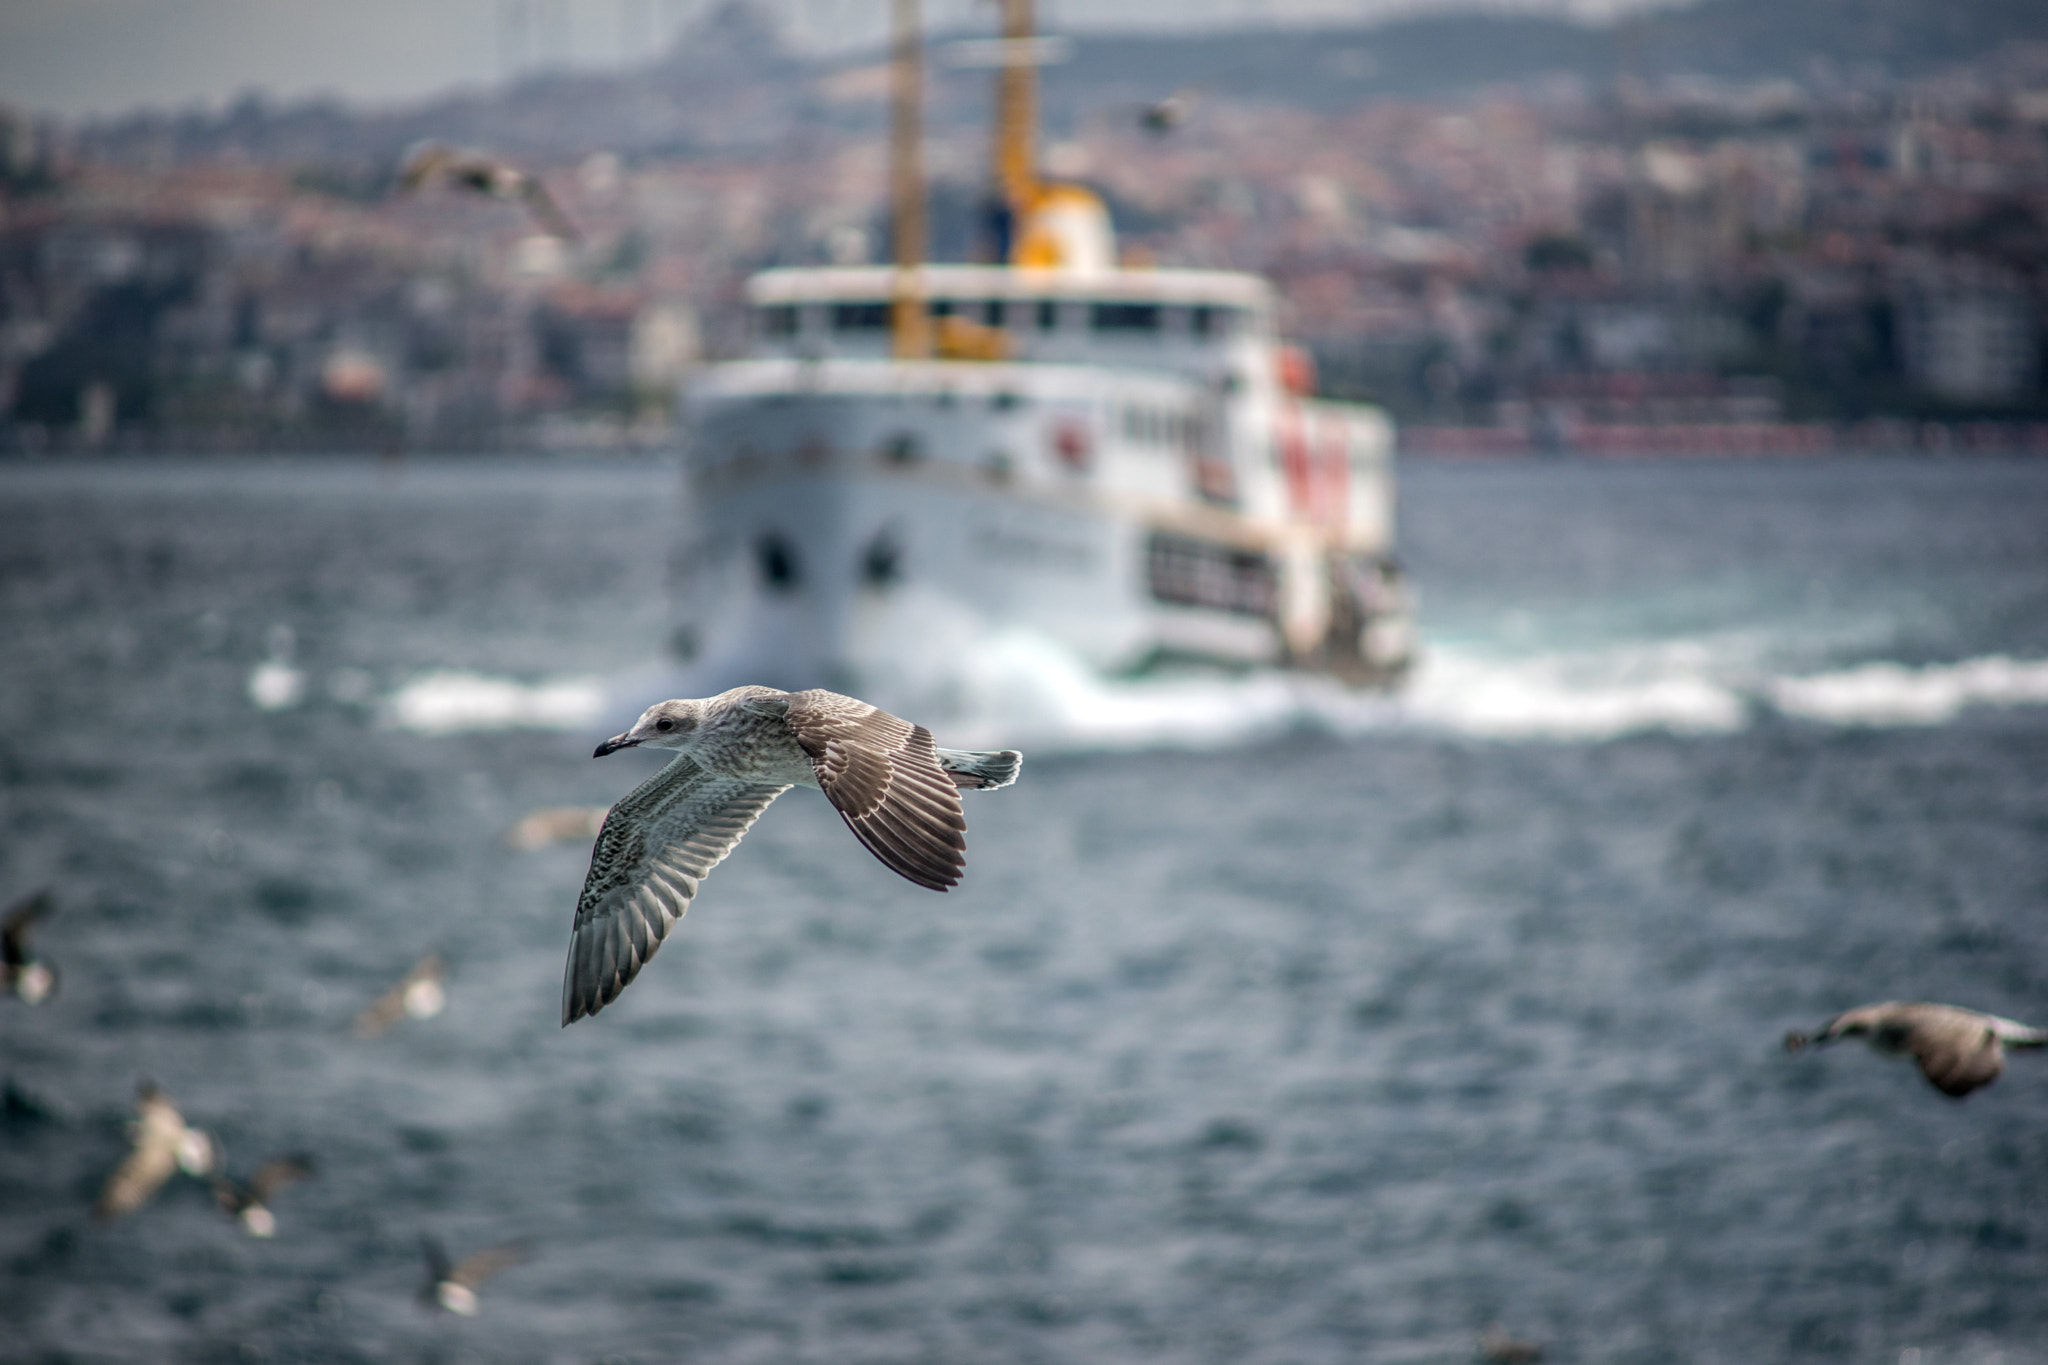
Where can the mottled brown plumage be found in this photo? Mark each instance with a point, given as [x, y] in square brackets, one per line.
[735, 753]
[1958, 1049]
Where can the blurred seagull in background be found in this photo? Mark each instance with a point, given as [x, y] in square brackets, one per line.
[419, 994]
[735, 753]
[555, 825]
[163, 1145]
[250, 1204]
[1163, 116]
[453, 1286]
[1958, 1049]
[482, 173]
[24, 974]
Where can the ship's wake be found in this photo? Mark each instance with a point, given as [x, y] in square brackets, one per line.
[1014, 688]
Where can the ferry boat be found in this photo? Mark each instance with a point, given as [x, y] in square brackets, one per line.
[1125, 462]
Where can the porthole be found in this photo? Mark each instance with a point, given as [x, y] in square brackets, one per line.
[777, 559]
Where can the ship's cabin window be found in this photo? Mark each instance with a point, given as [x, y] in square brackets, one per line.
[1207, 320]
[860, 317]
[1165, 427]
[944, 308]
[779, 321]
[992, 312]
[1048, 315]
[1124, 317]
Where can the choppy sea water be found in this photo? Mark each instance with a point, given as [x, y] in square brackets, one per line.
[1270, 1025]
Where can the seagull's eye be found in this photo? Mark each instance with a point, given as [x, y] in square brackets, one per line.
[664, 725]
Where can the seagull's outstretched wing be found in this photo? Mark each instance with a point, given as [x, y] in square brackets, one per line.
[472, 1270]
[438, 1265]
[275, 1174]
[152, 1158]
[422, 162]
[16, 921]
[655, 848]
[546, 211]
[884, 777]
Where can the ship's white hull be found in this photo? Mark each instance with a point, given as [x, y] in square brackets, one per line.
[877, 527]
[879, 578]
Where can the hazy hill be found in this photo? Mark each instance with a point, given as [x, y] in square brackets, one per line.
[731, 87]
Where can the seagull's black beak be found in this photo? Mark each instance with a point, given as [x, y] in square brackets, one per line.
[614, 744]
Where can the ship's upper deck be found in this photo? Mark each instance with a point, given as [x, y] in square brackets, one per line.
[1186, 321]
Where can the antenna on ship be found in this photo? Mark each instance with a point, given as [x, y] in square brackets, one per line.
[1016, 152]
[1038, 224]
[909, 328]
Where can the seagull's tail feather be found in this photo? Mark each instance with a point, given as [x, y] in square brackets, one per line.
[982, 770]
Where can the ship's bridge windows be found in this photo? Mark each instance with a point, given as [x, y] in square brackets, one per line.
[860, 317]
[1215, 323]
[779, 321]
[1127, 318]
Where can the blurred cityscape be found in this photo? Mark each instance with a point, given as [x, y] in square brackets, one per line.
[1731, 227]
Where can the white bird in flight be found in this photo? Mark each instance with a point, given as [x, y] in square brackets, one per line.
[453, 1285]
[420, 994]
[735, 753]
[163, 1145]
[1958, 1049]
[23, 973]
[250, 1204]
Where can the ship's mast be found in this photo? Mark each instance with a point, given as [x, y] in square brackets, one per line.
[1015, 159]
[909, 328]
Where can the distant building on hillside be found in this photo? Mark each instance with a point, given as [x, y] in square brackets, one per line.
[1967, 333]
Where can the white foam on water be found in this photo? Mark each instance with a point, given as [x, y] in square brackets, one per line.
[1013, 687]
[1019, 688]
[1890, 694]
[275, 685]
[449, 702]
[1591, 695]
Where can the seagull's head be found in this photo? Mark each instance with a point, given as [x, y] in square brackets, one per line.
[664, 725]
[1831, 1031]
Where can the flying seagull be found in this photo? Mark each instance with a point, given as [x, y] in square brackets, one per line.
[21, 971]
[250, 1203]
[1958, 1049]
[482, 173]
[419, 994]
[735, 753]
[1165, 115]
[453, 1286]
[163, 1145]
